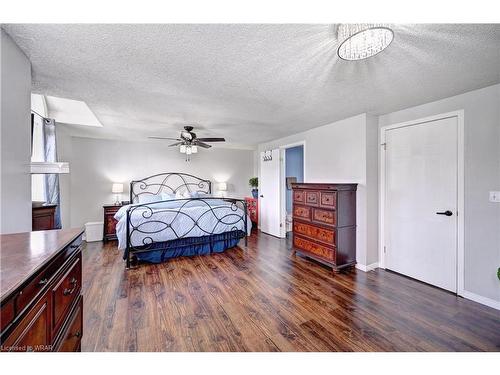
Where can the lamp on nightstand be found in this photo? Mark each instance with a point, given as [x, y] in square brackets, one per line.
[118, 190]
[222, 187]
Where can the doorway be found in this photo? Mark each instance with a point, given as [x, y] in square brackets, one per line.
[422, 200]
[292, 171]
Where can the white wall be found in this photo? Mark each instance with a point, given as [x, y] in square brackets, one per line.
[96, 163]
[337, 153]
[15, 139]
[482, 174]
[372, 148]
[65, 154]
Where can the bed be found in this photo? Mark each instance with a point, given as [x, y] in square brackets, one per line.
[174, 214]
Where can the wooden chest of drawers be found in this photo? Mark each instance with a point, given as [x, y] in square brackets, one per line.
[41, 302]
[324, 222]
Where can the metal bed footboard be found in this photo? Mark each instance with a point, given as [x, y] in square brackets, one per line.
[151, 220]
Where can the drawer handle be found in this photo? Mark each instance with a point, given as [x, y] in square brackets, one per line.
[67, 291]
[43, 282]
[78, 334]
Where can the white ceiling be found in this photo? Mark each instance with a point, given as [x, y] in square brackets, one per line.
[248, 83]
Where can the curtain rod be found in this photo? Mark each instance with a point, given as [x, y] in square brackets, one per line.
[36, 113]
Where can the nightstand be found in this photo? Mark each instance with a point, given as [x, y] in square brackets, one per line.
[109, 232]
[253, 210]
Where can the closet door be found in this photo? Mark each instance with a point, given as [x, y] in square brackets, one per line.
[421, 201]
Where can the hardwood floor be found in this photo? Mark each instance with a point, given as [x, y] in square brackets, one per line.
[262, 298]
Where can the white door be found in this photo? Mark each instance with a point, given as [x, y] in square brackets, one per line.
[421, 201]
[269, 192]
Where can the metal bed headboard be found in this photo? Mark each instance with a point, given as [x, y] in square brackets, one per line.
[168, 183]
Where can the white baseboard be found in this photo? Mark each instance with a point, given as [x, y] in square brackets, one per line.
[482, 300]
[367, 268]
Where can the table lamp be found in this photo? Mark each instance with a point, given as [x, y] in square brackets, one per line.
[118, 190]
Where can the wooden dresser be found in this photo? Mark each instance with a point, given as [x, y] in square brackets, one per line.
[324, 223]
[109, 230]
[43, 217]
[253, 210]
[40, 291]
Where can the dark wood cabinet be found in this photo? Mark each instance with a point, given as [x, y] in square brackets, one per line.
[41, 291]
[324, 222]
[43, 217]
[109, 230]
[253, 210]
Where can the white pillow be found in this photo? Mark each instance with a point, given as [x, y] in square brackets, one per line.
[149, 198]
[167, 196]
[186, 194]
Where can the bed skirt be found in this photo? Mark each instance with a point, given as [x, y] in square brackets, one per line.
[189, 246]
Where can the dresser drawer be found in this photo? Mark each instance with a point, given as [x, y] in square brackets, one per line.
[72, 335]
[314, 232]
[299, 196]
[322, 251]
[324, 216]
[110, 223]
[66, 290]
[312, 198]
[41, 281]
[302, 212]
[328, 199]
[32, 331]
[7, 314]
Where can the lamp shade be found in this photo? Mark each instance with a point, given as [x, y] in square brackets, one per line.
[222, 186]
[117, 188]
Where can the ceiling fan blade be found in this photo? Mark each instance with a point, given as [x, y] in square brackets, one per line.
[212, 139]
[175, 144]
[201, 144]
[172, 139]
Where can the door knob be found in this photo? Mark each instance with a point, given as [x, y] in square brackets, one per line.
[447, 213]
[262, 196]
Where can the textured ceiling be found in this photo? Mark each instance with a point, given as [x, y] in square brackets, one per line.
[248, 83]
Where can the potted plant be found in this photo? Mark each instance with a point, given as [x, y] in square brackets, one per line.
[254, 184]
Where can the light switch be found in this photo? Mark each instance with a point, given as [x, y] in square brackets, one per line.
[495, 196]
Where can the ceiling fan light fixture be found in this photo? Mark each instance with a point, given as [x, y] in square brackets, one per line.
[360, 41]
[188, 142]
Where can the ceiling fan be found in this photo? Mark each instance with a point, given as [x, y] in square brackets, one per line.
[189, 142]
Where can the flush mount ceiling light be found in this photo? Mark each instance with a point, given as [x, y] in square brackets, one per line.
[359, 41]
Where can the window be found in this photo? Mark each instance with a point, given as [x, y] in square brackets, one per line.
[37, 154]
